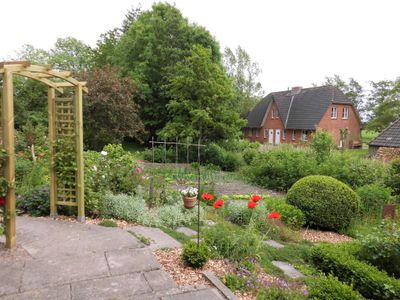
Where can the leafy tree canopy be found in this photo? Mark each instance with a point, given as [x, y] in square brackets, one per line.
[202, 98]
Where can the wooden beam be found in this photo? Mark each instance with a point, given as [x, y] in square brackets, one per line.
[7, 122]
[80, 193]
[43, 80]
[51, 100]
[24, 63]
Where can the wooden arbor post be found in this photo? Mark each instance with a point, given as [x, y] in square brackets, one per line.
[56, 81]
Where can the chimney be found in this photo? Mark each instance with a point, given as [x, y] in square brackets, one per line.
[296, 90]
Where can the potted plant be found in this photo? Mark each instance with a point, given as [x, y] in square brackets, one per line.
[189, 196]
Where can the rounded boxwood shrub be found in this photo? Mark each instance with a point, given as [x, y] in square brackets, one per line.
[326, 202]
[195, 256]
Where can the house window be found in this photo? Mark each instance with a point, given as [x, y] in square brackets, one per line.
[250, 132]
[345, 114]
[265, 133]
[293, 135]
[257, 132]
[284, 134]
[334, 112]
[304, 135]
[275, 114]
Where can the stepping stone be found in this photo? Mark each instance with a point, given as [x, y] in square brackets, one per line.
[287, 269]
[159, 239]
[274, 244]
[219, 285]
[186, 231]
[209, 294]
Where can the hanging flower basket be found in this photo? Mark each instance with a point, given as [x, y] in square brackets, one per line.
[189, 196]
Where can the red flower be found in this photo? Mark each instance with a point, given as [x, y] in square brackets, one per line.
[218, 204]
[274, 215]
[2, 201]
[256, 198]
[207, 197]
[251, 204]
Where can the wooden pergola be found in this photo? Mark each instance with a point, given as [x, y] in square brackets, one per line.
[65, 122]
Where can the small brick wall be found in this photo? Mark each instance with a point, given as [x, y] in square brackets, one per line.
[387, 154]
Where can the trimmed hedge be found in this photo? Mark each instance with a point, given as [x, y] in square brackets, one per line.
[366, 279]
[373, 197]
[326, 202]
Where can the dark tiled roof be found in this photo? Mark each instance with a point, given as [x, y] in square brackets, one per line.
[390, 137]
[306, 111]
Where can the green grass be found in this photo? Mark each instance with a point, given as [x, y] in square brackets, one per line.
[180, 237]
[145, 240]
[108, 223]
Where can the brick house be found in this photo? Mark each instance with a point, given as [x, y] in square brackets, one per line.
[292, 116]
[386, 146]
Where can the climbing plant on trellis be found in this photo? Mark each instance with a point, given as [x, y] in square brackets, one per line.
[65, 139]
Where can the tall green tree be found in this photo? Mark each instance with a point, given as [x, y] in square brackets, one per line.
[383, 104]
[110, 111]
[351, 88]
[202, 97]
[148, 51]
[243, 72]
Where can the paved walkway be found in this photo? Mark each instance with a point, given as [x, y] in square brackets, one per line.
[78, 261]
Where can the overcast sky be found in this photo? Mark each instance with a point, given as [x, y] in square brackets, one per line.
[295, 42]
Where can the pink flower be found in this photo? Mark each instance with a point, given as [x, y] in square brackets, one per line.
[2, 201]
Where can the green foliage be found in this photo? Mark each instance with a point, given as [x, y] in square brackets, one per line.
[145, 240]
[329, 287]
[290, 215]
[322, 144]
[366, 279]
[36, 202]
[149, 50]
[326, 202]
[235, 282]
[195, 256]
[2, 229]
[373, 197]
[232, 242]
[201, 98]
[275, 293]
[108, 223]
[110, 110]
[237, 212]
[279, 170]
[175, 215]
[393, 179]
[381, 247]
[31, 176]
[65, 162]
[249, 155]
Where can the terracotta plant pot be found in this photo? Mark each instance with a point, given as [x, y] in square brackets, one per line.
[189, 202]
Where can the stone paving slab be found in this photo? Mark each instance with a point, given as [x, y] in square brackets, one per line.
[159, 280]
[209, 294]
[159, 238]
[62, 292]
[287, 269]
[115, 287]
[186, 231]
[10, 277]
[219, 285]
[131, 260]
[274, 244]
[54, 271]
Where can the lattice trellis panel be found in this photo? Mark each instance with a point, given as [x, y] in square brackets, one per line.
[65, 129]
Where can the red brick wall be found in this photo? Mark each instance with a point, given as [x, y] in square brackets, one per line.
[334, 125]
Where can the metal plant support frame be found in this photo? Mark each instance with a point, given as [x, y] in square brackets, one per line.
[64, 121]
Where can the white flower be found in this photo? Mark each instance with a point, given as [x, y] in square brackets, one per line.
[189, 191]
[95, 168]
[104, 153]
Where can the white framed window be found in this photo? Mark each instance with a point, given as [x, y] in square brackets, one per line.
[275, 114]
[304, 135]
[250, 132]
[334, 112]
[293, 135]
[284, 134]
[257, 132]
[345, 114]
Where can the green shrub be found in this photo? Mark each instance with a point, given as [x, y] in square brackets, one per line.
[326, 202]
[393, 178]
[36, 176]
[227, 160]
[322, 145]
[36, 203]
[249, 155]
[175, 215]
[329, 287]
[381, 247]
[160, 155]
[232, 242]
[373, 197]
[108, 223]
[231, 162]
[238, 212]
[235, 282]
[275, 293]
[195, 256]
[366, 279]
[126, 207]
[290, 215]
[279, 170]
